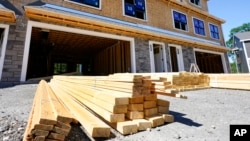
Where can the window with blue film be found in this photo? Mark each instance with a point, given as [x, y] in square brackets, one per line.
[214, 31]
[94, 3]
[135, 8]
[199, 26]
[129, 9]
[180, 20]
[140, 4]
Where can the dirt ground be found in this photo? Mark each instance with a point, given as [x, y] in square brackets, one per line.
[204, 116]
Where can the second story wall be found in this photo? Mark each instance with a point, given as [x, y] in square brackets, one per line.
[158, 13]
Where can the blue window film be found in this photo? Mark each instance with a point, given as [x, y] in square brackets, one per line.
[183, 18]
[214, 31]
[92, 2]
[129, 9]
[79, 1]
[140, 4]
[199, 26]
[176, 16]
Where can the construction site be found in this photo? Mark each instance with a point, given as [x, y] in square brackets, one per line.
[164, 106]
[79, 70]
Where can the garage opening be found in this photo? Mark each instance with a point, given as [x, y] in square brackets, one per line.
[57, 52]
[209, 63]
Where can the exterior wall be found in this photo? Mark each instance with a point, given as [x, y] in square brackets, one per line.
[203, 5]
[241, 57]
[14, 51]
[159, 14]
[188, 57]
[160, 17]
[142, 55]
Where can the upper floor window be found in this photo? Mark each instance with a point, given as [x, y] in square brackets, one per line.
[214, 32]
[94, 3]
[135, 8]
[180, 21]
[196, 2]
[199, 26]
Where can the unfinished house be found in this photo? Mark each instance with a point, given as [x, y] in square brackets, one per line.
[242, 51]
[101, 37]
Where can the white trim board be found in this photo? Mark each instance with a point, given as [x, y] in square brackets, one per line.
[247, 59]
[152, 62]
[32, 24]
[3, 47]
[213, 52]
[179, 57]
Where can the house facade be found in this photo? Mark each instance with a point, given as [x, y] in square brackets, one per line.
[242, 51]
[101, 37]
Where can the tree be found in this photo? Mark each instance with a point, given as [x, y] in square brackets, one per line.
[243, 28]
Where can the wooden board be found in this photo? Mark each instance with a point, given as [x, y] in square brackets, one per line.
[142, 124]
[93, 125]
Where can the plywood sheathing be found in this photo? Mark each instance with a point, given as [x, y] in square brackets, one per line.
[7, 15]
[76, 21]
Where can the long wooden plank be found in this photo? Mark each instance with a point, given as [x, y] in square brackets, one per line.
[132, 90]
[61, 113]
[47, 114]
[79, 96]
[116, 109]
[93, 125]
[98, 94]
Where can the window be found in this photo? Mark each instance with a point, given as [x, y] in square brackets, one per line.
[214, 32]
[196, 2]
[199, 26]
[94, 3]
[180, 21]
[60, 68]
[135, 8]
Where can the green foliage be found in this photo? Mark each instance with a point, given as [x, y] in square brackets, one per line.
[233, 68]
[243, 28]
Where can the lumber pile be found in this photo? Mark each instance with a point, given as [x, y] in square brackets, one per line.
[230, 81]
[190, 81]
[124, 102]
[49, 118]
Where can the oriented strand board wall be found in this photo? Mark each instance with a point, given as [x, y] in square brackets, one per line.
[158, 14]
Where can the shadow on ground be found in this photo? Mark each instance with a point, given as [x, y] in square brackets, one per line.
[179, 117]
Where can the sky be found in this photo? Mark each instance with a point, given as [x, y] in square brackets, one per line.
[234, 12]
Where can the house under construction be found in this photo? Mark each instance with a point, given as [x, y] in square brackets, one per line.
[101, 37]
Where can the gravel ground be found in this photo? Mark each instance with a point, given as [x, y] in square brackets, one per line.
[204, 116]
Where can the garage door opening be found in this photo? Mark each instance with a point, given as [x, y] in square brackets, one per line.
[209, 63]
[57, 52]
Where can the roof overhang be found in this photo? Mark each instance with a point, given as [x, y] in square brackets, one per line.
[7, 15]
[70, 17]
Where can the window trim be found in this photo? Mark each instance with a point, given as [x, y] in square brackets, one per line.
[210, 31]
[173, 20]
[203, 24]
[86, 5]
[200, 4]
[124, 14]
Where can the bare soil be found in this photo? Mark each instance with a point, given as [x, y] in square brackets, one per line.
[205, 116]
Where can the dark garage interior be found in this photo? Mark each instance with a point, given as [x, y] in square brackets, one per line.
[209, 63]
[56, 52]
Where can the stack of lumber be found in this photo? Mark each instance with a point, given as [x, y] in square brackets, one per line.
[189, 81]
[123, 101]
[49, 118]
[230, 81]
